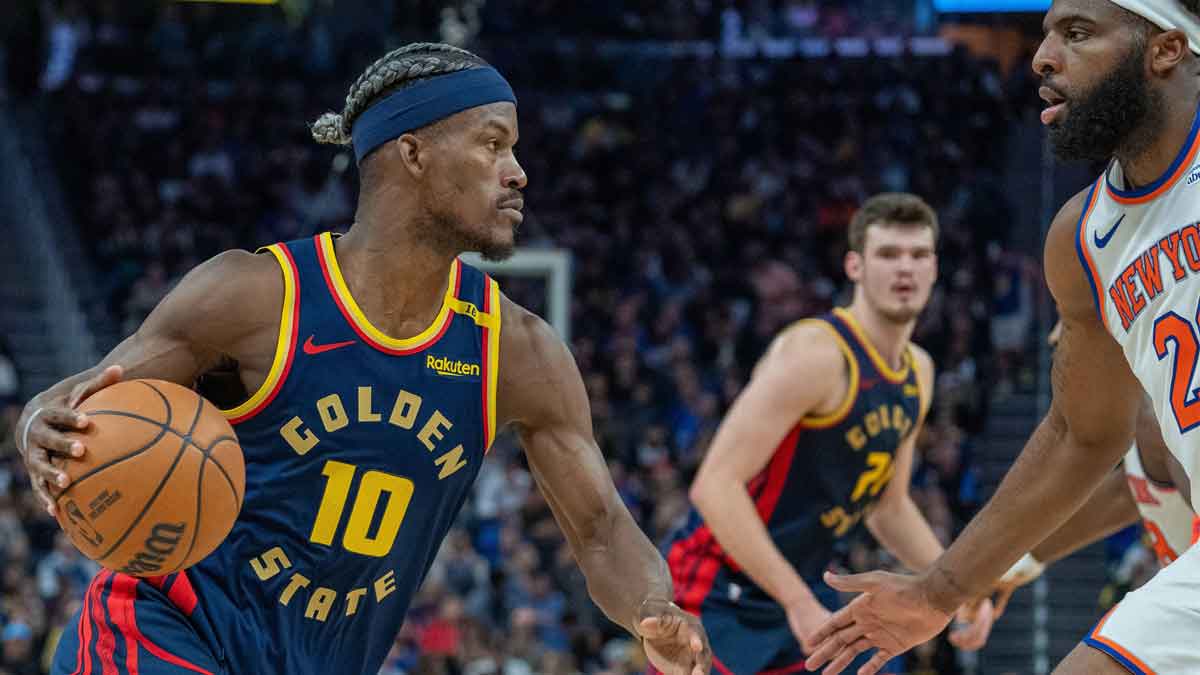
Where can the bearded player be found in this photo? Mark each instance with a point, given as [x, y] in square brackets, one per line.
[820, 441]
[1121, 259]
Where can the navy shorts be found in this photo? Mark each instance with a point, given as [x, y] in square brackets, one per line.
[132, 626]
[751, 636]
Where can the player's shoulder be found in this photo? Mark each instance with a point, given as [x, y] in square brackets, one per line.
[232, 284]
[806, 352]
[1065, 274]
[528, 334]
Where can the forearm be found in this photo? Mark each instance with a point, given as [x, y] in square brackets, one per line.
[1049, 481]
[901, 529]
[1109, 509]
[623, 570]
[735, 523]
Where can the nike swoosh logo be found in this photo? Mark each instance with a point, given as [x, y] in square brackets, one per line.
[310, 348]
[1101, 242]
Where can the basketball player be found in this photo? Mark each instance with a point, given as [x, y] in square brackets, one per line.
[1144, 485]
[380, 369]
[821, 440]
[1121, 260]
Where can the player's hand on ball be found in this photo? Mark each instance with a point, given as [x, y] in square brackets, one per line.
[674, 640]
[972, 625]
[893, 614]
[43, 427]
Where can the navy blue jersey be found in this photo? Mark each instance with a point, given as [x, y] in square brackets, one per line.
[821, 481]
[360, 450]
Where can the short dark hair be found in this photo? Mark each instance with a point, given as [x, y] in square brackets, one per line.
[890, 208]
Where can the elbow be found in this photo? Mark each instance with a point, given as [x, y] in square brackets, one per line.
[704, 492]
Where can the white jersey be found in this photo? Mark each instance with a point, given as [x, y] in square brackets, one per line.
[1141, 251]
[1169, 521]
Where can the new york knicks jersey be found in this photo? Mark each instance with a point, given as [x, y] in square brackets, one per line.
[360, 449]
[1169, 521]
[821, 481]
[1141, 252]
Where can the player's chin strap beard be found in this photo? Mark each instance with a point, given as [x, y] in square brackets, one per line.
[1167, 15]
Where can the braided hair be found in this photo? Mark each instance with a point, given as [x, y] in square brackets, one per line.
[395, 70]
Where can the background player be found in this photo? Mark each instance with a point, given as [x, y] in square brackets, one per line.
[821, 439]
[1120, 81]
[343, 415]
[1144, 485]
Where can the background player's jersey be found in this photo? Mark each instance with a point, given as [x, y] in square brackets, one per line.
[1169, 521]
[360, 449]
[1141, 252]
[821, 481]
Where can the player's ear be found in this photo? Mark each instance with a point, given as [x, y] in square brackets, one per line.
[853, 265]
[410, 149]
[1168, 49]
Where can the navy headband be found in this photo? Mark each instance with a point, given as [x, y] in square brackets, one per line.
[426, 102]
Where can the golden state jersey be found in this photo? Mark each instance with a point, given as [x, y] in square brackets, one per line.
[360, 450]
[1170, 524]
[822, 480]
[1141, 251]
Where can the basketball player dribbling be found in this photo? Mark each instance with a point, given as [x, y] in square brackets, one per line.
[380, 368]
[1121, 260]
[819, 442]
[1145, 486]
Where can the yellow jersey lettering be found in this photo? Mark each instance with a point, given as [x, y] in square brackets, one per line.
[435, 427]
[857, 438]
[320, 603]
[365, 414]
[301, 440]
[297, 582]
[872, 422]
[333, 413]
[875, 476]
[404, 412]
[884, 419]
[385, 585]
[371, 488]
[352, 599]
[450, 462]
[272, 562]
[329, 513]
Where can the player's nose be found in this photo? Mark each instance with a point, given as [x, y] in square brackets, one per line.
[1047, 61]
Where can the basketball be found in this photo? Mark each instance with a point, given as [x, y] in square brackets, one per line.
[160, 484]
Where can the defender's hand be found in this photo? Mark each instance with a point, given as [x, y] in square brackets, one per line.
[893, 614]
[43, 427]
[1023, 572]
[972, 625]
[675, 642]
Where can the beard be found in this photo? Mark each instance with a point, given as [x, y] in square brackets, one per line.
[447, 232]
[1111, 117]
[901, 315]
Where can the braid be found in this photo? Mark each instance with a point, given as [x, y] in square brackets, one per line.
[393, 71]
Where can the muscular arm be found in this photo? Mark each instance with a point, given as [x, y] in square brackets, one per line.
[896, 522]
[799, 375]
[1109, 509]
[542, 394]
[1088, 428]
[223, 309]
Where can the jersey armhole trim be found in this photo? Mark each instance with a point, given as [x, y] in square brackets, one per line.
[839, 414]
[491, 359]
[1085, 257]
[285, 346]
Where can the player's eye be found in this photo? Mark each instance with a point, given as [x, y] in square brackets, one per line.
[493, 145]
[1075, 35]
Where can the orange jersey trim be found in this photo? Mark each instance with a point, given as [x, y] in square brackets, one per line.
[285, 346]
[358, 320]
[1085, 253]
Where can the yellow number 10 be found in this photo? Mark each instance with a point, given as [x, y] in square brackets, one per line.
[371, 488]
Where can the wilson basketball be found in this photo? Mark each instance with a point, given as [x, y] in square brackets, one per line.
[160, 484]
